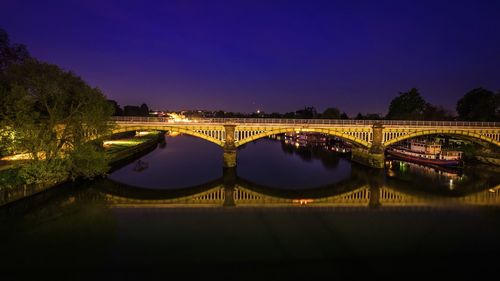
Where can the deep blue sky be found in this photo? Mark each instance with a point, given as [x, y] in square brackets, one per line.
[271, 55]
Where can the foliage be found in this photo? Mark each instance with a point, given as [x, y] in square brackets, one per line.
[7, 141]
[368, 116]
[117, 110]
[306, 113]
[52, 115]
[88, 161]
[407, 106]
[133, 110]
[48, 171]
[436, 113]
[144, 109]
[331, 113]
[11, 54]
[9, 178]
[479, 105]
[411, 106]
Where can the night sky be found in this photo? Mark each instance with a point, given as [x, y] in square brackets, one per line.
[267, 55]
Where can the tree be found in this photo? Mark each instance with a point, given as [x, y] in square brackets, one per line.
[275, 115]
[11, 54]
[372, 116]
[344, 116]
[437, 113]
[53, 115]
[117, 110]
[144, 110]
[407, 106]
[220, 114]
[359, 116]
[331, 113]
[306, 113]
[479, 105]
[131, 110]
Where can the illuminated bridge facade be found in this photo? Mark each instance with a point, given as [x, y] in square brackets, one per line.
[370, 137]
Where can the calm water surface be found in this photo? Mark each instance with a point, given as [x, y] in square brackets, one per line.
[186, 161]
[425, 220]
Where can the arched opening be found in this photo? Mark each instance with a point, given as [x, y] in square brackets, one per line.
[290, 163]
[336, 188]
[358, 139]
[186, 159]
[467, 146]
[124, 190]
[182, 130]
[480, 139]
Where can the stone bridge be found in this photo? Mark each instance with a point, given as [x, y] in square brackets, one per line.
[369, 137]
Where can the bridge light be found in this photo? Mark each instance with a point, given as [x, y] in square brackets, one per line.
[302, 201]
[143, 133]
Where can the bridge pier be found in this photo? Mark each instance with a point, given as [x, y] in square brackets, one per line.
[376, 181]
[229, 158]
[373, 157]
[374, 196]
[229, 180]
[229, 147]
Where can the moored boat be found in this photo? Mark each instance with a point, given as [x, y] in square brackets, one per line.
[426, 153]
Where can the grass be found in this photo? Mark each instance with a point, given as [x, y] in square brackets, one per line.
[114, 146]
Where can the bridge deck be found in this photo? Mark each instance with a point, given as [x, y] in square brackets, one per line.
[272, 121]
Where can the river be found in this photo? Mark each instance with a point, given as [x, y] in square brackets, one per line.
[284, 211]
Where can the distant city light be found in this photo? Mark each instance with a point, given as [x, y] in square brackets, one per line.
[177, 117]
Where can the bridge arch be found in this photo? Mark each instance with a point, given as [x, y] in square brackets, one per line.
[121, 129]
[124, 190]
[352, 139]
[473, 136]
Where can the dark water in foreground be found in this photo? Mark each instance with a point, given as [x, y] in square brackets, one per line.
[294, 212]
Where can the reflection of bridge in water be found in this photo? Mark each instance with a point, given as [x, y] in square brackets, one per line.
[230, 190]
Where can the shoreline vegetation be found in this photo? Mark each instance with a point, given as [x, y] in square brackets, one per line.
[119, 151]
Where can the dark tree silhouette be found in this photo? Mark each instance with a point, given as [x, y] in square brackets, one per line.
[479, 105]
[306, 113]
[11, 54]
[407, 106]
[331, 113]
[117, 110]
[144, 110]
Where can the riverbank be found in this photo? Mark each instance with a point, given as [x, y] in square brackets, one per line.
[122, 151]
[488, 158]
[118, 153]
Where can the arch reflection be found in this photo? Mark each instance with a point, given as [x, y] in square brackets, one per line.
[365, 188]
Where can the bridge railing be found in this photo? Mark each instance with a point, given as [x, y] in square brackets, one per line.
[139, 119]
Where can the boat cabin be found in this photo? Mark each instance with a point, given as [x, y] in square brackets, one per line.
[427, 148]
[433, 150]
[450, 155]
